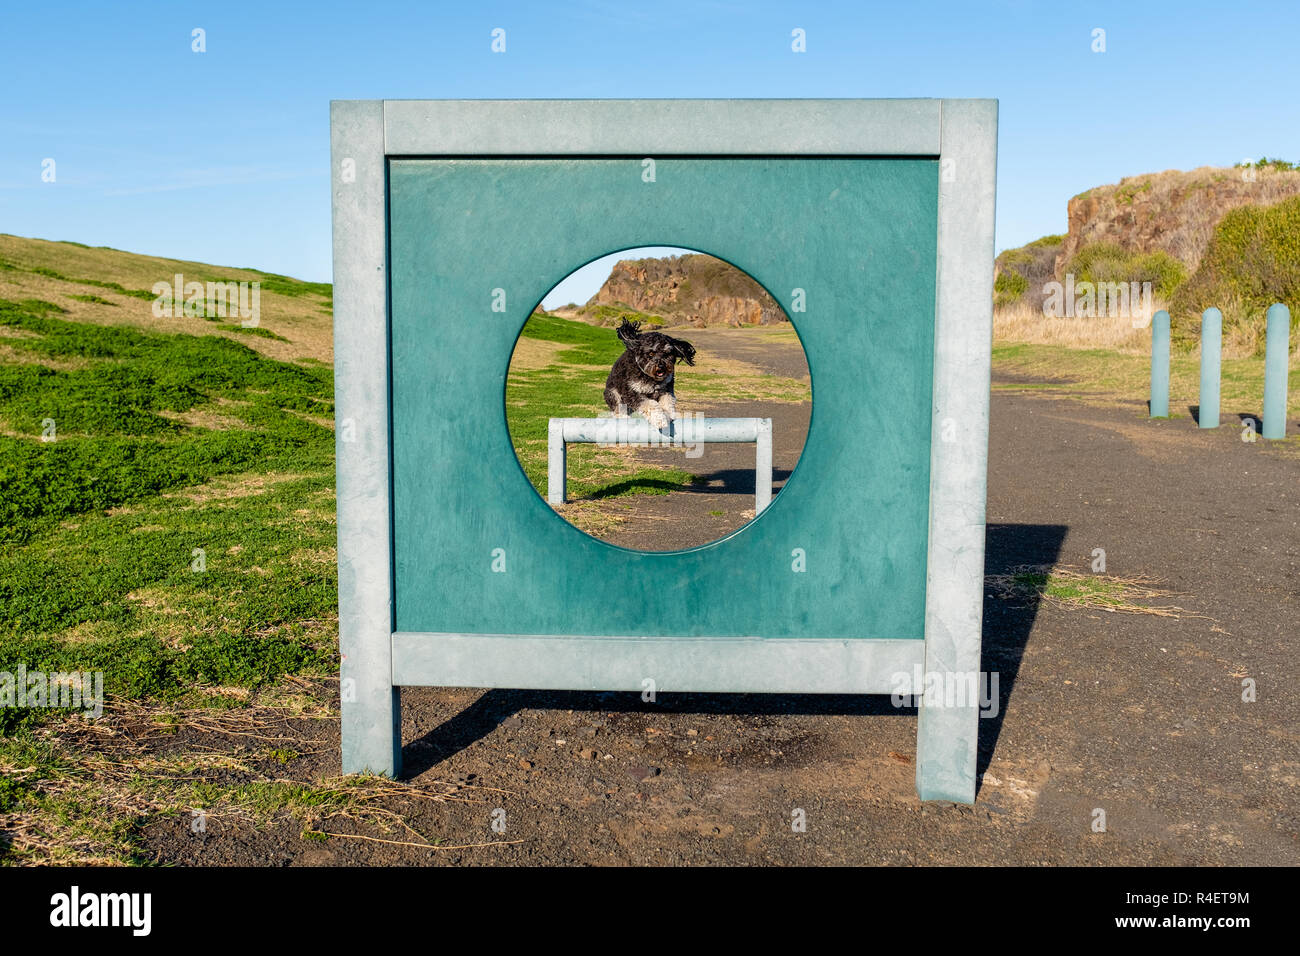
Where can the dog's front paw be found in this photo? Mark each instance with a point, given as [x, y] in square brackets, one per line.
[657, 420]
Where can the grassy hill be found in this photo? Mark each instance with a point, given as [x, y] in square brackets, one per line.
[166, 517]
[105, 286]
[166, 485]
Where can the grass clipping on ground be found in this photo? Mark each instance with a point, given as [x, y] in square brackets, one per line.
[78, 792]
[1073, 589]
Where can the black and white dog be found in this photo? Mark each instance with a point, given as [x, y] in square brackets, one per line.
[641, 380]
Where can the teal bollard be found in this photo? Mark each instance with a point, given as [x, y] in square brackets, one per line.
[1277, 353]
[1160, 365]
[1211, 354]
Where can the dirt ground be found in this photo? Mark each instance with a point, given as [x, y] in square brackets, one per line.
[1139, 715]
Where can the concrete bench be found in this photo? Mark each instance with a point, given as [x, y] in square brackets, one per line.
[637, 431]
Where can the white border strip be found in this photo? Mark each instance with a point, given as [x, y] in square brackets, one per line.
[696, 664]
[661, 127]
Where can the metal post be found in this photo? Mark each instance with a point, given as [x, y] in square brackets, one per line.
[1160, 365]
[370, 719]
[1211, 352]
[1277, 354]
[763, 467]
[947, 737]
[556, 467]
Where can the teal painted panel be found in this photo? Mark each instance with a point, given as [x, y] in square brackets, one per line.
[858, 235]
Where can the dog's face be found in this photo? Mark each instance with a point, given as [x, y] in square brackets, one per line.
[654, 353]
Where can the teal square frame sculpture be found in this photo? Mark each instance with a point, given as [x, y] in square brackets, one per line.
[870, 220]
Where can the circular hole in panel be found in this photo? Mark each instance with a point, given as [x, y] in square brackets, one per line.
[664, 364]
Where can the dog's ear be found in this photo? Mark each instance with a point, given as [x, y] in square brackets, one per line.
[684, 350]
[628, 332]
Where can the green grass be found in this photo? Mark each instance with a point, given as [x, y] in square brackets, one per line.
[166, 444]
[589, 345]
[283, 285]
[1110, 372]
[96, 567]
[71, 815]
[1072, 590]
[12, 793]
[265, 798]
[113, 445]
[268, 282]
[259, 330]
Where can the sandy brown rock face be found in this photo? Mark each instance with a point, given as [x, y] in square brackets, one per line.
[1173, 211]
[697, 288]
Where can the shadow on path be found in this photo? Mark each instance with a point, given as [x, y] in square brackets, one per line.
[1006, 632]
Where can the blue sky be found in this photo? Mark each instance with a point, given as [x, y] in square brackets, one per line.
[223, 156]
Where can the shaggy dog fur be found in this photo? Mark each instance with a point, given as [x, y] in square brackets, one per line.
[642, 378]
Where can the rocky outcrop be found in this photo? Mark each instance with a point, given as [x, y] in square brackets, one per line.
[1173, 212]
[696, 289]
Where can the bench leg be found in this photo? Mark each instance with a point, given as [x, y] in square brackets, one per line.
[556, 474]
[763, 467]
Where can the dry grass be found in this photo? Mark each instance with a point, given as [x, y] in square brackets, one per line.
[89, 785]
[784, 332]
[533, 354]
[728, 379]
[204, 418]
[322, 556]
[596, 518]
[13, 356]
[1243, 330]
[227, 486]
[1073, 589]
[1105, 376]
[304, 320]
[1025, 323]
